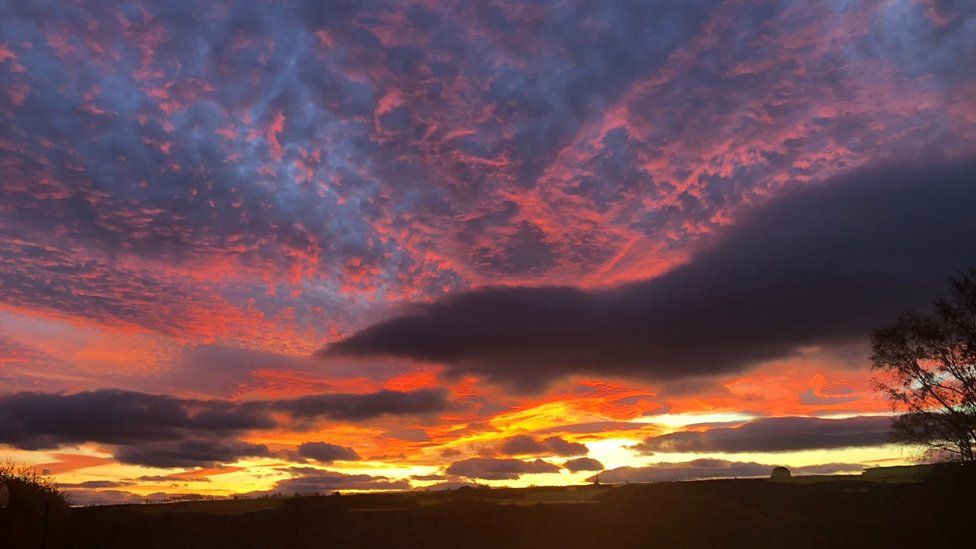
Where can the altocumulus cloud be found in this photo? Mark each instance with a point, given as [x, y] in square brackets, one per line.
[818, 265]
[776, 434]
[166, 431]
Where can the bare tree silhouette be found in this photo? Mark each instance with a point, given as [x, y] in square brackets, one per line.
[928, 365]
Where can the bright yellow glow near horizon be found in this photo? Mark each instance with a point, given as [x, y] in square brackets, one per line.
[75, 465]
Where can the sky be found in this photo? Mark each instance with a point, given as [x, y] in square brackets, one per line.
[287, 246]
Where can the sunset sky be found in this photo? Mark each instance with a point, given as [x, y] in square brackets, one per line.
[254, 247]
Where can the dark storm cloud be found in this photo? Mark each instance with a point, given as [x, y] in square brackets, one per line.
[326, 453]
[710, 468]
[165, 431]
[822, 264]
[499, 468]
[776, 434]
[583, 464]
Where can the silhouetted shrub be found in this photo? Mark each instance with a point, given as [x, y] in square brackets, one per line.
[37, 512]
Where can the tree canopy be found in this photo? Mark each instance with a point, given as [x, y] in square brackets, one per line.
[927, 363]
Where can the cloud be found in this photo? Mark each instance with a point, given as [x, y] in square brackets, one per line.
[139, 148]
[96, 484]
[410, 434]
[171, 478]
[526, 445]
[561, 447]
[593, 427]
[111, 416]
[242, 160]
[308, 480]
[358, 407]
[499, 468]
[428, 477]
[818, 265]
[166, 431]
[583, 464]
[188, 452]
[699, 469]
[521, 444]
[776, 434]
[326, 453]
[392, 152]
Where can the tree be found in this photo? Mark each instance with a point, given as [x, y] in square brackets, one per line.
[929, 373]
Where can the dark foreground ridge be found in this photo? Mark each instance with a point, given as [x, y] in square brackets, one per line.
[897, 509]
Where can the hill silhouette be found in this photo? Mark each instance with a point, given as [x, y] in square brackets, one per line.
[908, 508]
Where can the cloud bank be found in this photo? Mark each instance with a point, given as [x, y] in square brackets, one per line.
[326, 453]
[499, 468]
[525, 444]
[819, 265]
[775, 434]
[308, 480]
[165, 431]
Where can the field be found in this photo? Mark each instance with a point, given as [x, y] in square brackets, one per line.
[810, 512]
[891, 507]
